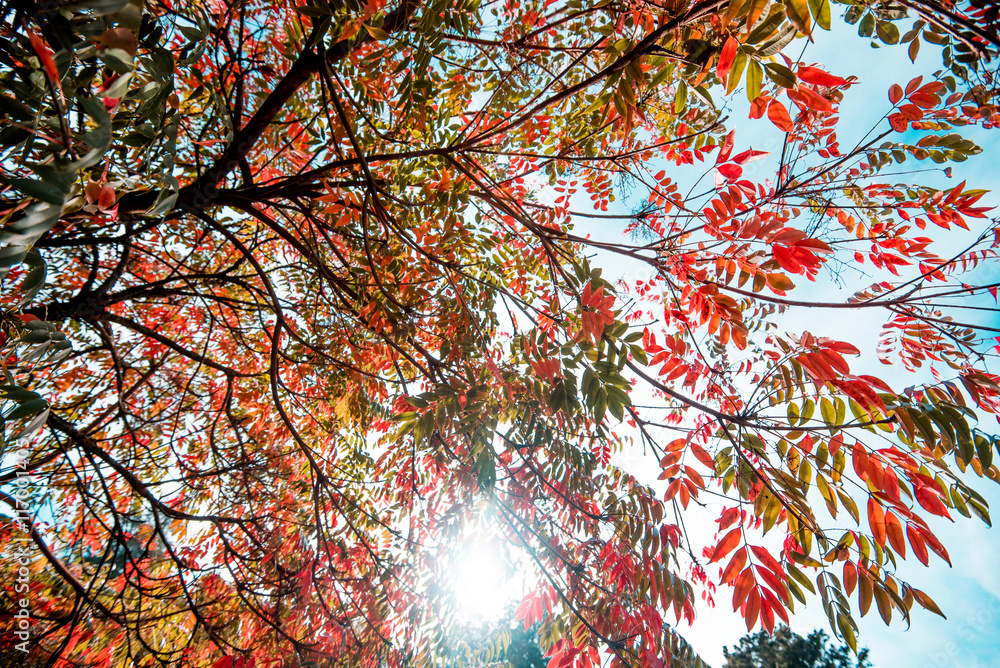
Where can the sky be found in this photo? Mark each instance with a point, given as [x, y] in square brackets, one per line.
[968, 592]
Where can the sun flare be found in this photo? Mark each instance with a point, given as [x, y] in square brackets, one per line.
[483, 585]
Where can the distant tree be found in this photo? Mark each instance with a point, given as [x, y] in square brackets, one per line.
[787, 649]
[497, 642]
[523, 651]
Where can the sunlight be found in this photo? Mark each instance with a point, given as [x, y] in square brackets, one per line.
[483, 585]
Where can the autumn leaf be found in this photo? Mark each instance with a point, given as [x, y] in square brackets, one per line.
[778, 115]
[726, 545]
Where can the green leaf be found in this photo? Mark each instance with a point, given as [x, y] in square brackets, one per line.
[985, 451]
[27, 409]
[780, 74]
[755, 77]
[793, 414]
[867, 26]
[680, 99]
[35, 278]
[808, 410]
[887, 32]
[800, 558]
[17, 393]
[828, 412]
[799, 576]
[39, 190]
[847, 632]
[736, 72]
[821, 12]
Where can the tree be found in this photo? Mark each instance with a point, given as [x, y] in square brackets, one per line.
[786, 649]
[503, 640]
[294, 304]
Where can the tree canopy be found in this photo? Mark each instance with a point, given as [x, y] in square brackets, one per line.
[296, 300]
[787, 649]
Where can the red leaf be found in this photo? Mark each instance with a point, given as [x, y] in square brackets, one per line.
[776, 606]
[767, 616]
[727, 146]
[731, 171]
[935, 544]
[898, 122]
[107, 198]
[814, 100]
[895, 93]
[778, 115]
[726, 545]
[728, 518]
[774, 582]
[749, 156]
[914, 84]
[917, 543]
[930, 502]
[765, 556]
[752, 609]
[911, 112]
[818, 77]
[786, 259]
[726, 57]
[841, 347]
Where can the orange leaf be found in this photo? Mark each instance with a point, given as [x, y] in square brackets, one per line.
[876, 520]
[741, 589]
[735, 566]
[726, 545]
[926, 602]
[44, 54]
[850, 577]
[894, 530]
[702, 456]
[778, 114]
[780, 282]
[859, 456]
[694, 477]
